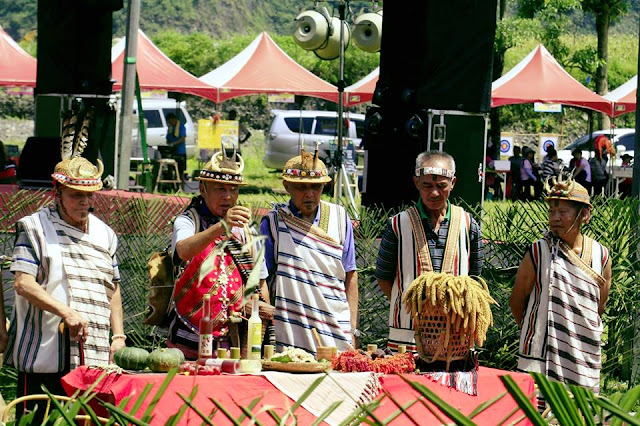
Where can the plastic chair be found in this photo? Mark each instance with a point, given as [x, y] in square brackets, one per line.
[44, 397]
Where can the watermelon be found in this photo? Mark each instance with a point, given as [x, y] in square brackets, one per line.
[163, 360]
[131, 358]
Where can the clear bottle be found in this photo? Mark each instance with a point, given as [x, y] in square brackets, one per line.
[254, 331]
[205, 329]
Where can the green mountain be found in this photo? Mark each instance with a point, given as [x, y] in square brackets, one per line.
[218, 18]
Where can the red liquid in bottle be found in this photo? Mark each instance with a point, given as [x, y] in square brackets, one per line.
[205, 328]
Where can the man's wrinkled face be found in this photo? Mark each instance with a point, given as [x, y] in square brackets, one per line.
[563, 214]
[435, 189]
[76, 203]
[219, 197]
[304, 196]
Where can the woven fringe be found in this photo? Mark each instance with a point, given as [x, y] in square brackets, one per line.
[462, 381]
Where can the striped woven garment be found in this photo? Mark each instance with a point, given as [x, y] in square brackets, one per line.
[80, 274]
[561, 331]
[414, 259]
[309, 282]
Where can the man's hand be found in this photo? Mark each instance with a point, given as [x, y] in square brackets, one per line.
[77, 325]
[237, 216]
[115, 345]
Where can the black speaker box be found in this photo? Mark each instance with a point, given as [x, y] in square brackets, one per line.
[74, 46]
[37, 161]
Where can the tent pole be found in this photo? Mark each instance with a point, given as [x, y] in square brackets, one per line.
[128, 91]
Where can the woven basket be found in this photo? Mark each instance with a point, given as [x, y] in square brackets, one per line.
[431, 326]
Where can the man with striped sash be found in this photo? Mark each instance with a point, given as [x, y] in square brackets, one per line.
[560, 292]
[310, 257]
[65, 267]
[433, 235]
[210, 255]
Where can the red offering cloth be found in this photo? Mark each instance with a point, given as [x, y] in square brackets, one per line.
[230, 389]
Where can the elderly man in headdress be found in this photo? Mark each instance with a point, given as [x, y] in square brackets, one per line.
[65, 267]
[212, 230]
[310, 258]
[560, 292]
[434, 235]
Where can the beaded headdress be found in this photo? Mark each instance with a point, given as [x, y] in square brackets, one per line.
[223, 168]
[75, 171]
[306, 168]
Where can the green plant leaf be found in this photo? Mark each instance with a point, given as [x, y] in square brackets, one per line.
[480, 408]
[523, 402]
[191, 405]
[225, 412]
[147, 416]
[616, 411]
[446, 409]
[124, 416]
[402, 409]
[627, 403]
[326, 413]
[581, 399]
[174, 419]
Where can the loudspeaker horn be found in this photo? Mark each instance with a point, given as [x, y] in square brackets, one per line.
[367, 31]
[312, 30]
[332, 49]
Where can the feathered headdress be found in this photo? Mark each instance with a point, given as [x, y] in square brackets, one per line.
[223, 168]
[306, 168]
[74, 171]
[566, 189]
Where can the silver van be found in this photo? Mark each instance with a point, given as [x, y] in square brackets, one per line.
[155, 112]
[290, 126]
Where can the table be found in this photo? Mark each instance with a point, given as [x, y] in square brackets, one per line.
[232, 389]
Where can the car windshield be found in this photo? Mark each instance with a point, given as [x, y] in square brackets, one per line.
[153, 118]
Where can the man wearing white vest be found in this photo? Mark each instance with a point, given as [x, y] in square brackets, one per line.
[310, 258]
[65, 267]
[560, 292]
[432, 235]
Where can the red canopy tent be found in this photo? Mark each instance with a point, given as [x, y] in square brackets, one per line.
[156, 71]
[17, 67]
[624, 97]
[362, 90]
[539, 78]
[263, 67]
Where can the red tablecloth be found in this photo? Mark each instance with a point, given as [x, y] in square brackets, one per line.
[229, 390]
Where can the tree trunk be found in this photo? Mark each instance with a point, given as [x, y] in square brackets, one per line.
[603, 22]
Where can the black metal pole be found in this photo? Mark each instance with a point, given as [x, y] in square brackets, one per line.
[341, 85]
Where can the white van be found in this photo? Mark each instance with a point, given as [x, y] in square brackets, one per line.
[289, 126]
[155, 112]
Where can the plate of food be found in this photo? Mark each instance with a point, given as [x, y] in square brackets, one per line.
[293, 360]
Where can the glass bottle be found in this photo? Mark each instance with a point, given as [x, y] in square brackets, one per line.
[254, 331]
[205, 329]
